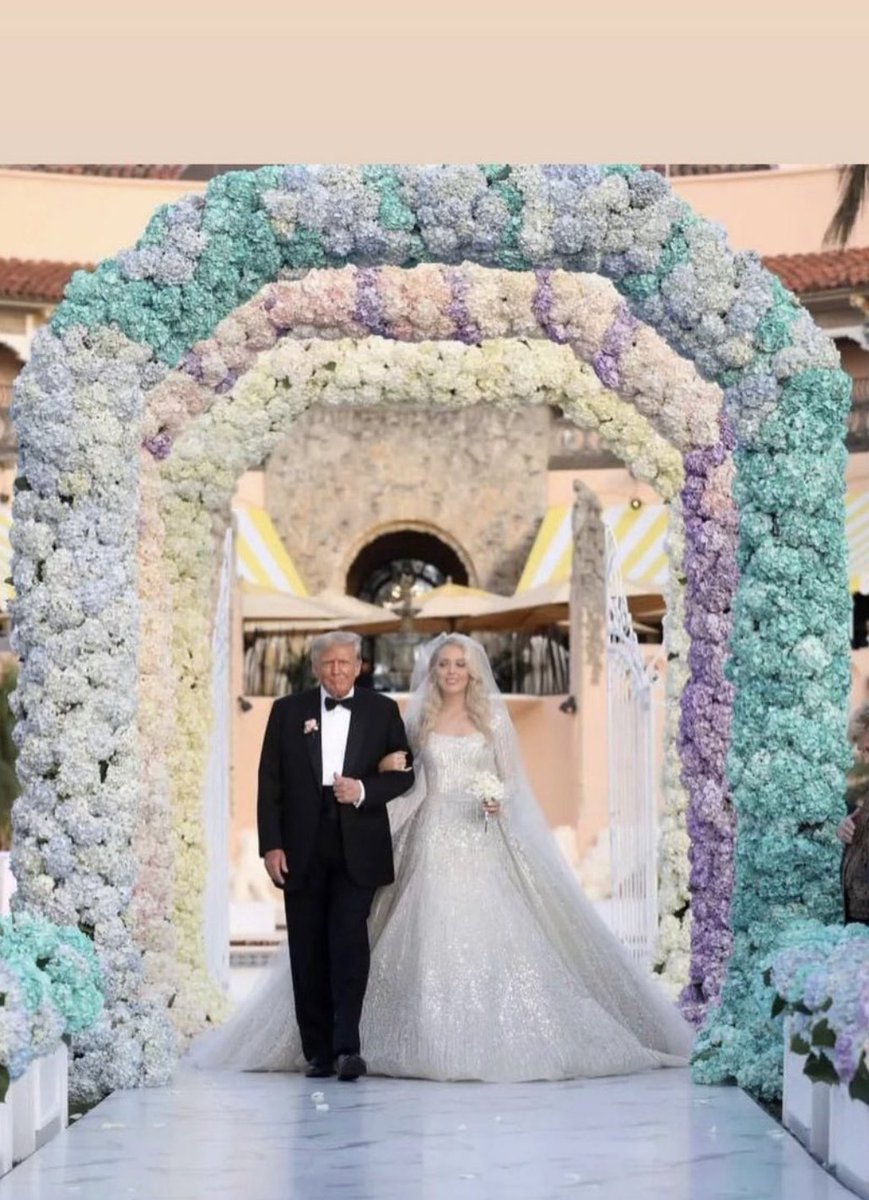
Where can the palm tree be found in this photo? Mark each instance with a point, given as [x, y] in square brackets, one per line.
[853, 191]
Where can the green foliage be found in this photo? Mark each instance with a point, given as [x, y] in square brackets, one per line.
[10, 788]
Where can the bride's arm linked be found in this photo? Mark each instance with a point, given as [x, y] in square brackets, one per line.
[396, 761]
[382, 786]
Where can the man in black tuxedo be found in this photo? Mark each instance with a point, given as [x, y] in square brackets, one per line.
[324, 834]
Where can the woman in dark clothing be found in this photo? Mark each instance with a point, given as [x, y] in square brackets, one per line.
[853, 830]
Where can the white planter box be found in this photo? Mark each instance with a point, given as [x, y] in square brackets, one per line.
[805, 1105]
[36, 1108]
[849, 1140]
[52, 1094]
[21, 1099]
[5, 1137]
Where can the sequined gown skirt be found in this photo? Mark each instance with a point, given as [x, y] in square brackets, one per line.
[464, 982]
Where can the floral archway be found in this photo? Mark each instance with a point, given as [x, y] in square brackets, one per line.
[139, 409]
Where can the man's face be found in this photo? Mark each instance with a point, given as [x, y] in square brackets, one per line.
[337, 670]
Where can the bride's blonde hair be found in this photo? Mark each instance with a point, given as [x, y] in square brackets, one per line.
[476, 697]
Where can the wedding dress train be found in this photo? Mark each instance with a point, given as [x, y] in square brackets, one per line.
[488, 962]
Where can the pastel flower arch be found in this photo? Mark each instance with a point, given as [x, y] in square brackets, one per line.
[325, 304]
[217, 432]
[778, 603]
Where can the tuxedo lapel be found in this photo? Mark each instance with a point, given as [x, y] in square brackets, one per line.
[356, 734]
[314, 739]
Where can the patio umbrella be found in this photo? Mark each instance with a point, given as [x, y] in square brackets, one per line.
[549, 604]
[358, 614]
[451, 607]
[272, 609]
[535, 608]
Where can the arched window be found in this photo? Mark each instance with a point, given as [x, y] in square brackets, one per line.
[412, 555]
[390, 569]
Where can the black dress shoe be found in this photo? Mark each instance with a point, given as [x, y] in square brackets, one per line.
[351, 1066]
[320, 1070]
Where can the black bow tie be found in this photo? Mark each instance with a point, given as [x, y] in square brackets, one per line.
[331, 703]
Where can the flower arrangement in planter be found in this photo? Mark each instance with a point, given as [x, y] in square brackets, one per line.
[51, 988]
[820, 979]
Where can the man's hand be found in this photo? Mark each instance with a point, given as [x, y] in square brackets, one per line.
[845, 830]
[347, 791]
[276, 865]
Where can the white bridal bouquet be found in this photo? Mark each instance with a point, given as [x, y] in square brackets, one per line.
[487, 788]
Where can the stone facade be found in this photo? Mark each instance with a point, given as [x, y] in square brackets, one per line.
[476, 478]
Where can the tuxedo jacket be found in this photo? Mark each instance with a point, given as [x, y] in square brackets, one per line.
[290, 794]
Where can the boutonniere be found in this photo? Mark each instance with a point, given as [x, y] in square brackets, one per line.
[312, 725]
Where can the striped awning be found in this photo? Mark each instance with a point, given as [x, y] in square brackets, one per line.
[639, 536]
[260, 555]
[857, 530]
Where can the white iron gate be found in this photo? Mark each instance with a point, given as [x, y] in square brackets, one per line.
[632, 793]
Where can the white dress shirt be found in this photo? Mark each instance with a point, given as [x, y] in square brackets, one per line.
[335, 728]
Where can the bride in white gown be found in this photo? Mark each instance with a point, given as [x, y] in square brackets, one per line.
[487, 960]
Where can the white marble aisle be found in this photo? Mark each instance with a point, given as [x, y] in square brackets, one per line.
[219, 1136]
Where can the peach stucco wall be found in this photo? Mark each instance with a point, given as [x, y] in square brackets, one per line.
[785, 211]
[77, 218]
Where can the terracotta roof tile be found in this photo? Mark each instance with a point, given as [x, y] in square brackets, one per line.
[707, 168]
[27, 279]
[109, 170]
[203, 172]
[195, 172]
[822, 272]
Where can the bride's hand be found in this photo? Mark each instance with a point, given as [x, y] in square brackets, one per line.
[492, 807]
[397, 761]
